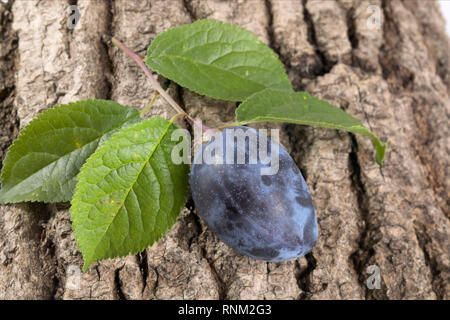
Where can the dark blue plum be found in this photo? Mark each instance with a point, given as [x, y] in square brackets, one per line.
[266, 217]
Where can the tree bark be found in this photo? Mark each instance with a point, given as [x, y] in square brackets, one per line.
[392, 73]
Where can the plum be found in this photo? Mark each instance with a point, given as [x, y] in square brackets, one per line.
[268, 217]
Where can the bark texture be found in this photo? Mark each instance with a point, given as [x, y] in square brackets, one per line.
[393, 73]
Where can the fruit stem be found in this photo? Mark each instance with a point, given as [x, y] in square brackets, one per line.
[156, 84]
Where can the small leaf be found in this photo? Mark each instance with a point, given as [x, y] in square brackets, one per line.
[42, 163]
[216, 59]
[299, 107]
[129, 192]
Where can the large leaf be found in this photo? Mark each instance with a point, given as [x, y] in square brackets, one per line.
[301, 108]
[129, 192]
[216, 59]
[42, 164]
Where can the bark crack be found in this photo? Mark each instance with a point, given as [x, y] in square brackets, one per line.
[48, 252]
[118, 284]
[353, 39]
[326, 65]
[107, 59]
[221, 285]
[196, 220]
[155, 285]
[437, 283]
[9, 124]
[304, 276]
[270, 31]
[365, 251]
[187, 4]
[143, 267]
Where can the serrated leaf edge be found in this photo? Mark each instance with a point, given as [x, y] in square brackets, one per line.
[379, 145]
[88, 262]
[151, 63]
[24, 132]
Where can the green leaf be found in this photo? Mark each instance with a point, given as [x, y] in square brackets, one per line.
[299, 107]
[216, 59]
[129, 192]
[42, 163]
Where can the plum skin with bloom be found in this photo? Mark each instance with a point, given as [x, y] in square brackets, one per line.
[266, 217]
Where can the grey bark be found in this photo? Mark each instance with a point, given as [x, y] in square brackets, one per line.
[394, 77]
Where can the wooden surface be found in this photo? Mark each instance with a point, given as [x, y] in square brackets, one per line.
[392, 73]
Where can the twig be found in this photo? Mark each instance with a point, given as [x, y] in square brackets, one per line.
[156, 84]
